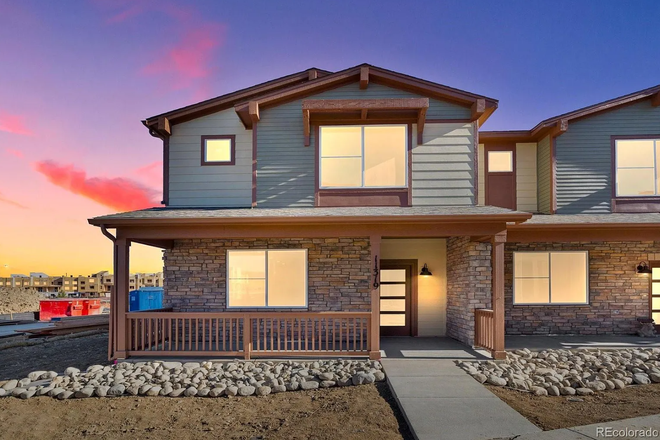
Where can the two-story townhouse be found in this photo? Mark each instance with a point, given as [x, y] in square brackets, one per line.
[315, 213]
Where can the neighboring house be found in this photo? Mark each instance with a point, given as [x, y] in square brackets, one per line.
[96, 284]
[317, 212]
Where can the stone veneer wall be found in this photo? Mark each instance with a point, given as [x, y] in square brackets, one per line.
[617, 294]
[468, 285]
[339, 271]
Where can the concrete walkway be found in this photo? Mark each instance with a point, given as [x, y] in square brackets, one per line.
[441, 401]
[592, 431]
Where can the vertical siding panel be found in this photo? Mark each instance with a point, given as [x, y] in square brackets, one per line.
[584, 157]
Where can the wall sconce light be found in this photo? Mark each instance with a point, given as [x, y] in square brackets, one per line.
[425, 271]
[643, 267]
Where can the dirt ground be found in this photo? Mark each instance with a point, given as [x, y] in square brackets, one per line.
[336, 413]
[560, 412]
[55, 355]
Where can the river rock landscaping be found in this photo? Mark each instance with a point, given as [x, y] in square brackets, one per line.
[205, 379]
[569, 372]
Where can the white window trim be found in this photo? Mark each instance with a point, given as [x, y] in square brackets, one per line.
[362, 187]
[550, 303]
[656, 143]
[266, 279]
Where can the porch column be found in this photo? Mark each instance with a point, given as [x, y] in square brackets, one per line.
[121, 269]
[374, 351]
[497, 295]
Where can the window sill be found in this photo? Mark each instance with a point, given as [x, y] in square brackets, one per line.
[340, 197]
[636, 204]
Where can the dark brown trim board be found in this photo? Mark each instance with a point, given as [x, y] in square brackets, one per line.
[254, 165]
[231, 137]
[229, 100]
[630, 204]
[475, 136]
[166, 171]
[376, 75]
[362, 197]
[410, 161]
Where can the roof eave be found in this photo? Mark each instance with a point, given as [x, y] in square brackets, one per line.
[514, 218]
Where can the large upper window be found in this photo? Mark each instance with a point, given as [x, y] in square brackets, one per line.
[637, 167]
[267, 278]
[371, 156]
[550, 277]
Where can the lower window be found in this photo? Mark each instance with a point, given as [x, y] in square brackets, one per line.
[551, 277]
[267, 278]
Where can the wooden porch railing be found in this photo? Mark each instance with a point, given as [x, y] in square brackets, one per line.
[248, 334]
[484, 329]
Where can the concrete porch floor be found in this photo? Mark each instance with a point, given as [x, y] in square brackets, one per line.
[397, 347]
[572, 342]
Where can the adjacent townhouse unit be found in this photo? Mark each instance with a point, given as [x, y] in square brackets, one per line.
[316, 213]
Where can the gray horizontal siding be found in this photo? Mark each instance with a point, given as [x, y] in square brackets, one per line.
[584, 156]
[543, 169]
[193, 185]
[443, 166]
[286, 168]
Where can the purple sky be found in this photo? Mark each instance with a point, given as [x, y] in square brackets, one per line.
[76, 78]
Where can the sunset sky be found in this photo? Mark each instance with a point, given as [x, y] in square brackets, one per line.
[78, 76]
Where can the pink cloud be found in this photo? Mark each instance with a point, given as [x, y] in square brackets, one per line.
[3, 199]
[15, 153]
[13, 124]
[152, 173]
[118, 192]
[189, 60]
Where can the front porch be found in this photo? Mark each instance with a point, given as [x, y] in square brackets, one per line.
[339, 313]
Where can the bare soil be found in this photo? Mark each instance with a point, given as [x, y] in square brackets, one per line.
[18, 300]
[53, 354]
[564, 412]
[361, 412]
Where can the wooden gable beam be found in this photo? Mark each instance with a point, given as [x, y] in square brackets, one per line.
[313, 74]
[478, 108]
[164, 126]
[364, 77]
[340, 105]
[363, 113]
[421, 119]
[559, 128]
[253, 111]
[306, 127]
[655, 99]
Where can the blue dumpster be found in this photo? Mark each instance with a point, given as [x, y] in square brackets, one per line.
[146, 298]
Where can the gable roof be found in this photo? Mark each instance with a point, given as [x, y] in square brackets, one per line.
[228, 100]
[302, 84]
[560, 123]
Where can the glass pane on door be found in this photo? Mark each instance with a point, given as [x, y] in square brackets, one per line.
[393, 298]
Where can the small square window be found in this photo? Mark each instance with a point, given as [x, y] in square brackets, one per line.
[218, 150]
[500, 161]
